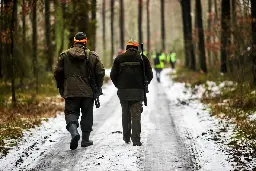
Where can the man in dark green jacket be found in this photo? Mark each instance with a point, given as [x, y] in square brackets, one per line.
[72, 77]
[127, 76]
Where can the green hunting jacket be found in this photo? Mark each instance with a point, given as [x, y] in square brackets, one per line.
[71, 71]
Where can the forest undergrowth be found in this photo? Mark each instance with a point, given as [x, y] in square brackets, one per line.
[30, 109]
[232, 102]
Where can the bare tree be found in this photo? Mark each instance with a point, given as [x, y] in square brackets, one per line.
[190, 60]
[48, 42]
[34, 42]
[64, 15]
[121, 21]
[225, 34]
[200, 36]
[112, 2]
[93, 21]
[162, 25]
[253, 13]
[104, 28]
[140, 21]
[13, 30]
[209, 31]
[1, 42]
[148, 28]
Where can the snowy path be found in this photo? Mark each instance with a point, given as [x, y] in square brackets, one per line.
[165, 150]
[171, 135]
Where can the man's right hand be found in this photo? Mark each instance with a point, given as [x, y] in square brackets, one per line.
[61, 91]
[98, 91]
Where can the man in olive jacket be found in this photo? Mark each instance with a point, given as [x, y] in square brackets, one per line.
[127, 76]
[72, 77]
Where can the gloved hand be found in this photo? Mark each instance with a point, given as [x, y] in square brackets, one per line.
[98, 91]
[61, 91]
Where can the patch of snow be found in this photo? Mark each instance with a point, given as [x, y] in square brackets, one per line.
[107, 72]
[252, 117]
[195, 126]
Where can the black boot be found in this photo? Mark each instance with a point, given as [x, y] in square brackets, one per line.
[85, 139]
[126, 140]
[137, 143]
[74, 136]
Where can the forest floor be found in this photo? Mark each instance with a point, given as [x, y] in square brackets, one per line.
[29, 111]
[231, 102]
[179, 132]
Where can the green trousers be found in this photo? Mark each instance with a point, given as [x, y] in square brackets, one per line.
[131, 119]
[72, 112]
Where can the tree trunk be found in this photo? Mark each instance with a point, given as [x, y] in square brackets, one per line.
[72, 26]
[163, 25]
[191, 47]
[215, 37]
[201, 36]
[23, 39]
[112, 30]
[64, 15]
[253, 13]
[48, 36]
[140, 21]
[209, 55]
[13, 30]
[185, 33]
[1, 42]
[225, 34]
[93, 21]
[34, 42]
[104, 30]
[148, 28]
[190, 60]
[121, 21]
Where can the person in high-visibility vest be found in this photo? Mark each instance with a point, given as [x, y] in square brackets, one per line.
[153, 55]
[159, 60]
[171, 58]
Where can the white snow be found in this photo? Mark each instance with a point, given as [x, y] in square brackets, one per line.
[194, 124]
[252, 117]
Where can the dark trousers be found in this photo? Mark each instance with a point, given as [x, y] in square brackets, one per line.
[173, 65]
[72, 112]
[158, 72]
[131, 119]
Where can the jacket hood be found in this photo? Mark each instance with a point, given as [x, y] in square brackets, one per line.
[77, 51]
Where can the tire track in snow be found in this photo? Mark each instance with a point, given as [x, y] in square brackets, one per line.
[164, 150]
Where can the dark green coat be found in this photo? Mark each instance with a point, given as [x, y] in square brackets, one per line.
[71, 72]
[127, 75]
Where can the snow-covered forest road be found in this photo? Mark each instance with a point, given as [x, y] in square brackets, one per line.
[176, 135]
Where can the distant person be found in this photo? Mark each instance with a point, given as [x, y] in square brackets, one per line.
[127, 75]
[74, 73]
[153, 55]
[171, 58]
[159, 60]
